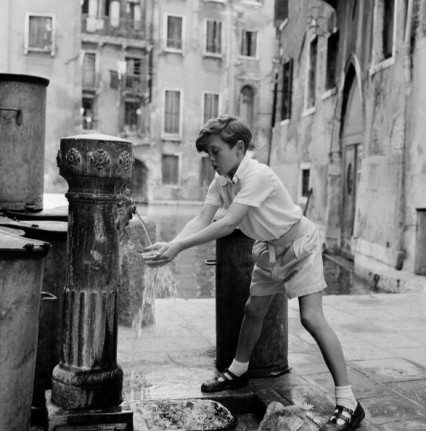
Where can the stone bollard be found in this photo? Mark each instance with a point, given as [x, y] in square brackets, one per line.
[234, 265]
[98, 170]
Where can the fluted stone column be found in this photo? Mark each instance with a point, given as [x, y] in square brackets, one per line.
[98, 169]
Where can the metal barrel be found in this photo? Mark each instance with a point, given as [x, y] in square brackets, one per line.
[21, 272]
[22, 140]
[234, 266]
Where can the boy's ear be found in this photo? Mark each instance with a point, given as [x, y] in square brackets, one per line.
[240, 145]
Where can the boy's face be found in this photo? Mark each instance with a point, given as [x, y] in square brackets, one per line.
[225, 160]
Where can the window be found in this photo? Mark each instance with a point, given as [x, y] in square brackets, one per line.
[211, 106]
[388, 25]
[312, 68]
[281, 11]
[133, 11]
[172, 109]
[214, 37]
[174, 33]
[384, 22]
[249, 44]
[133, 72]
[305, 182]
[40, 33]
[89, 70]
[96, 8]
[87, 113]
[170, 169]
[131, 115]
[332, 50]
[247, 105]
[287, 90]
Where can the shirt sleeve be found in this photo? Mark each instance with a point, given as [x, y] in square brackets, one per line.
[255, 188]
[213, 196]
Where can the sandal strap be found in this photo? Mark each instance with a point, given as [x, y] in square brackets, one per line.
[342, 413]
[224, 375]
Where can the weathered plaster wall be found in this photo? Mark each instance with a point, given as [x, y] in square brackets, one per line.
[62, 69]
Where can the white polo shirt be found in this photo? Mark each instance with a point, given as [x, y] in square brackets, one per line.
[272, 211]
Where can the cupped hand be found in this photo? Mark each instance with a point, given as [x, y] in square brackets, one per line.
[161, 253]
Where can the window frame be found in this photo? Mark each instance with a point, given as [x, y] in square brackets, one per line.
[166, 34]
[249, 57]
[27, 48]
[304, 166]
[311, 69]
[167, 135]
[289, 86]
[331, 36]
[127, 127]
[95, 72]
[209, 53]
[178, 169]
[379, 62]
[93, 118]
[203, 104]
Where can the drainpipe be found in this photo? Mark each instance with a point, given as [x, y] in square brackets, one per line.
[274, 107]
[407, 78]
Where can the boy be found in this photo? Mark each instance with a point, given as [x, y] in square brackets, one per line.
[286, 252]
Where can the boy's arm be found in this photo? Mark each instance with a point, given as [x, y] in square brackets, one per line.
[222, 227]
[200, 221]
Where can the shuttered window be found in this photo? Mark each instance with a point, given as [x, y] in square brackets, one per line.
[172, 112]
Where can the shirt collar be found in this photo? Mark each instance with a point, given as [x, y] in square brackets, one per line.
[242, 167]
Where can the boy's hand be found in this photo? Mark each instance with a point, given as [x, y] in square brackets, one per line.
[161, 253]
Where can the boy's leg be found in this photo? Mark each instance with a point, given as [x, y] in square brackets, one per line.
[251, 328]
[313, 320]
[349, 412]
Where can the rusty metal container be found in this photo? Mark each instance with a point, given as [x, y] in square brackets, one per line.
[21, 273]
[234, 266]
[22, 134]
[50, 321]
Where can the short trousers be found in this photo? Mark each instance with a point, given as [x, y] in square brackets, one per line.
[291, 264]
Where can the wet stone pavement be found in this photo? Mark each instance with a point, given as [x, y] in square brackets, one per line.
[383, 336]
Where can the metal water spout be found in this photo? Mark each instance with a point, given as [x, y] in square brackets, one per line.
[98, 169]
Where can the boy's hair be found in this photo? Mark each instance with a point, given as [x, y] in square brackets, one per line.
[229, 129]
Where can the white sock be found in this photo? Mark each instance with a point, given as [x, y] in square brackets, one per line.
[238, 368]
[345, 397]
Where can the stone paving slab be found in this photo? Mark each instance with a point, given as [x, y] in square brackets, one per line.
[172, 358]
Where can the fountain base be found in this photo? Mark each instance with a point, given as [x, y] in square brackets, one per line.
[111, 419]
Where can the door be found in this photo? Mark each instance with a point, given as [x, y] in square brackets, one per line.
[352, 137]
[350, 160]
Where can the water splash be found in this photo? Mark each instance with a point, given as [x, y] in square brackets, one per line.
[158, 283]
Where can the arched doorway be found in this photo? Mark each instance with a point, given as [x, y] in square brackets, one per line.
[351, 144]
[139, 182]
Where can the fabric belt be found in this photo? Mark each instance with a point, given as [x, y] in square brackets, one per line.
[292, 234]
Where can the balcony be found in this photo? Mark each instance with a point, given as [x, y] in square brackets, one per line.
[113, 27]
[130, 84]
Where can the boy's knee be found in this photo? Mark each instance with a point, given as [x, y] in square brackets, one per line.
[311, 320]
[254, 310]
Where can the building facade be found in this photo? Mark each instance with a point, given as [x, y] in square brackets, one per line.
[149, 71]
[349, 118]
[210, 57]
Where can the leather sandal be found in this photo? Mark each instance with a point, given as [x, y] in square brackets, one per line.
[344, 419]
[225, 380]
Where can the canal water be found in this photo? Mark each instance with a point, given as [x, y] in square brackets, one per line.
[196, 279]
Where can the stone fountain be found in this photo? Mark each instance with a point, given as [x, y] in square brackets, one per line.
[87, 382]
